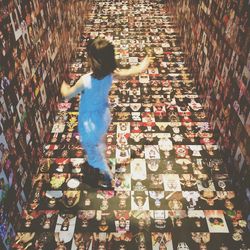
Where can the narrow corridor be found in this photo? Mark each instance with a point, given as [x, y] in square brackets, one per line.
[172, 190]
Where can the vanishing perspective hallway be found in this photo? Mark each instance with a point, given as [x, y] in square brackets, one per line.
[171, 190]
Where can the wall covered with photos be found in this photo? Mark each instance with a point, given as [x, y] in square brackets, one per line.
[216, 38]
[36, 40]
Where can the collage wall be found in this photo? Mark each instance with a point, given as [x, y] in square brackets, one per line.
[216, 38]
[36, 41]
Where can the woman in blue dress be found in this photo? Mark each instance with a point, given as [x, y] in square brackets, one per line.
[94, 115]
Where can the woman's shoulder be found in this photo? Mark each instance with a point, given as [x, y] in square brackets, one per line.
[85, 80]
[87, 75]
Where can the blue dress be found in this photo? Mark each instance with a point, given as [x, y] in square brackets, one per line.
[94, 118]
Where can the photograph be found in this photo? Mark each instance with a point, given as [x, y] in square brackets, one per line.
[22, 114]
[15, 21]
[124, 124]
[216, 221]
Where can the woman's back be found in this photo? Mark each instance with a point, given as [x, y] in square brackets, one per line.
[94, 97]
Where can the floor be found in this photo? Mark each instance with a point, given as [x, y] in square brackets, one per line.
[172, 190]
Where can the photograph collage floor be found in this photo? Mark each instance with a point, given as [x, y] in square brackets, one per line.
[171, 187]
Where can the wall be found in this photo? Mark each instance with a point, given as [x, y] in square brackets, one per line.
[36, 40]
[216, 38]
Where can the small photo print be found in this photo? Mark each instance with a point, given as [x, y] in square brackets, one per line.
[246, 76]
[172, 182]
[39, 125]
[144, 78]
[239, 159]
[65, 226]
[4, 185]
[21, 110]
[58, 127]
[123, 127]
[43, 93]
[153, 71]
[14, 16]
[139, 200]
[161, 240]
[122, 182]
[152, 152]
[138, 169]
[216, 221]
[26, 68]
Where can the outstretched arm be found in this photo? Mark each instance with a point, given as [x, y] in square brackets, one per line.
[134, 70]
[69, 92]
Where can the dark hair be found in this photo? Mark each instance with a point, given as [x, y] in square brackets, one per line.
[101, 54]
[141, 195]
